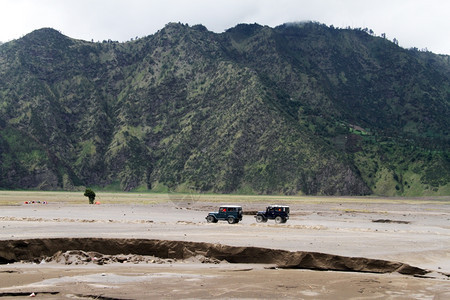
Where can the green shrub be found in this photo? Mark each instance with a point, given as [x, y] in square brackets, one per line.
[90, 194]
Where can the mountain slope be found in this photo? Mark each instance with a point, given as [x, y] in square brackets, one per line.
[295, 109]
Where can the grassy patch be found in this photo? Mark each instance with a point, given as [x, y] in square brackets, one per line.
[108, 197]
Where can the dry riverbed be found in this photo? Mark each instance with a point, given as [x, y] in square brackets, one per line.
[357, 244]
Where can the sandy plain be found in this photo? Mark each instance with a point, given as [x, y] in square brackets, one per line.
[412, 231]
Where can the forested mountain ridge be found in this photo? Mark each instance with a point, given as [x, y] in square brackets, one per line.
[300, 108]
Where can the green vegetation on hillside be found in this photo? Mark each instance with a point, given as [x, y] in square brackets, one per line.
[297, 109]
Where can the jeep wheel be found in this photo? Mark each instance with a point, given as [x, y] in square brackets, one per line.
[230, 220]
[210, 219]
[259, 219]
[278, 219]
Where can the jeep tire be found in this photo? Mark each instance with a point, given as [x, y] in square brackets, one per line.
[210, 219]
[279, 219]
[231, 220]
[259, 218]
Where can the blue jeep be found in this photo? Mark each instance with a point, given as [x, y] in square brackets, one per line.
[279, 213]
[230, 213]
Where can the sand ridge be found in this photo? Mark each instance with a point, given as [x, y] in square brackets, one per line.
[41, 249]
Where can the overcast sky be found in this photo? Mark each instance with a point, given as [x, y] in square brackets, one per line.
[414, 23]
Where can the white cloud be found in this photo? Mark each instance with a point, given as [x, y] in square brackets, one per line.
[415, 23]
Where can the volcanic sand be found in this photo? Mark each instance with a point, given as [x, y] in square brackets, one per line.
[328, 232]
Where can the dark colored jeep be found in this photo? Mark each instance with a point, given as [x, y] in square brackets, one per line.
[230, 213]
[279, 213]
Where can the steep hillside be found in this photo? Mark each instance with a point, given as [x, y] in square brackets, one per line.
[294, 109]
[386, 107]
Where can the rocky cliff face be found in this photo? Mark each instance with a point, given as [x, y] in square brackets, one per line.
[293, 109]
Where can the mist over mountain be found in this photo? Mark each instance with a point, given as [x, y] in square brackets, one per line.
[295, 109]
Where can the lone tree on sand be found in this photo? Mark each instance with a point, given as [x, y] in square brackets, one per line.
[90, 194]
